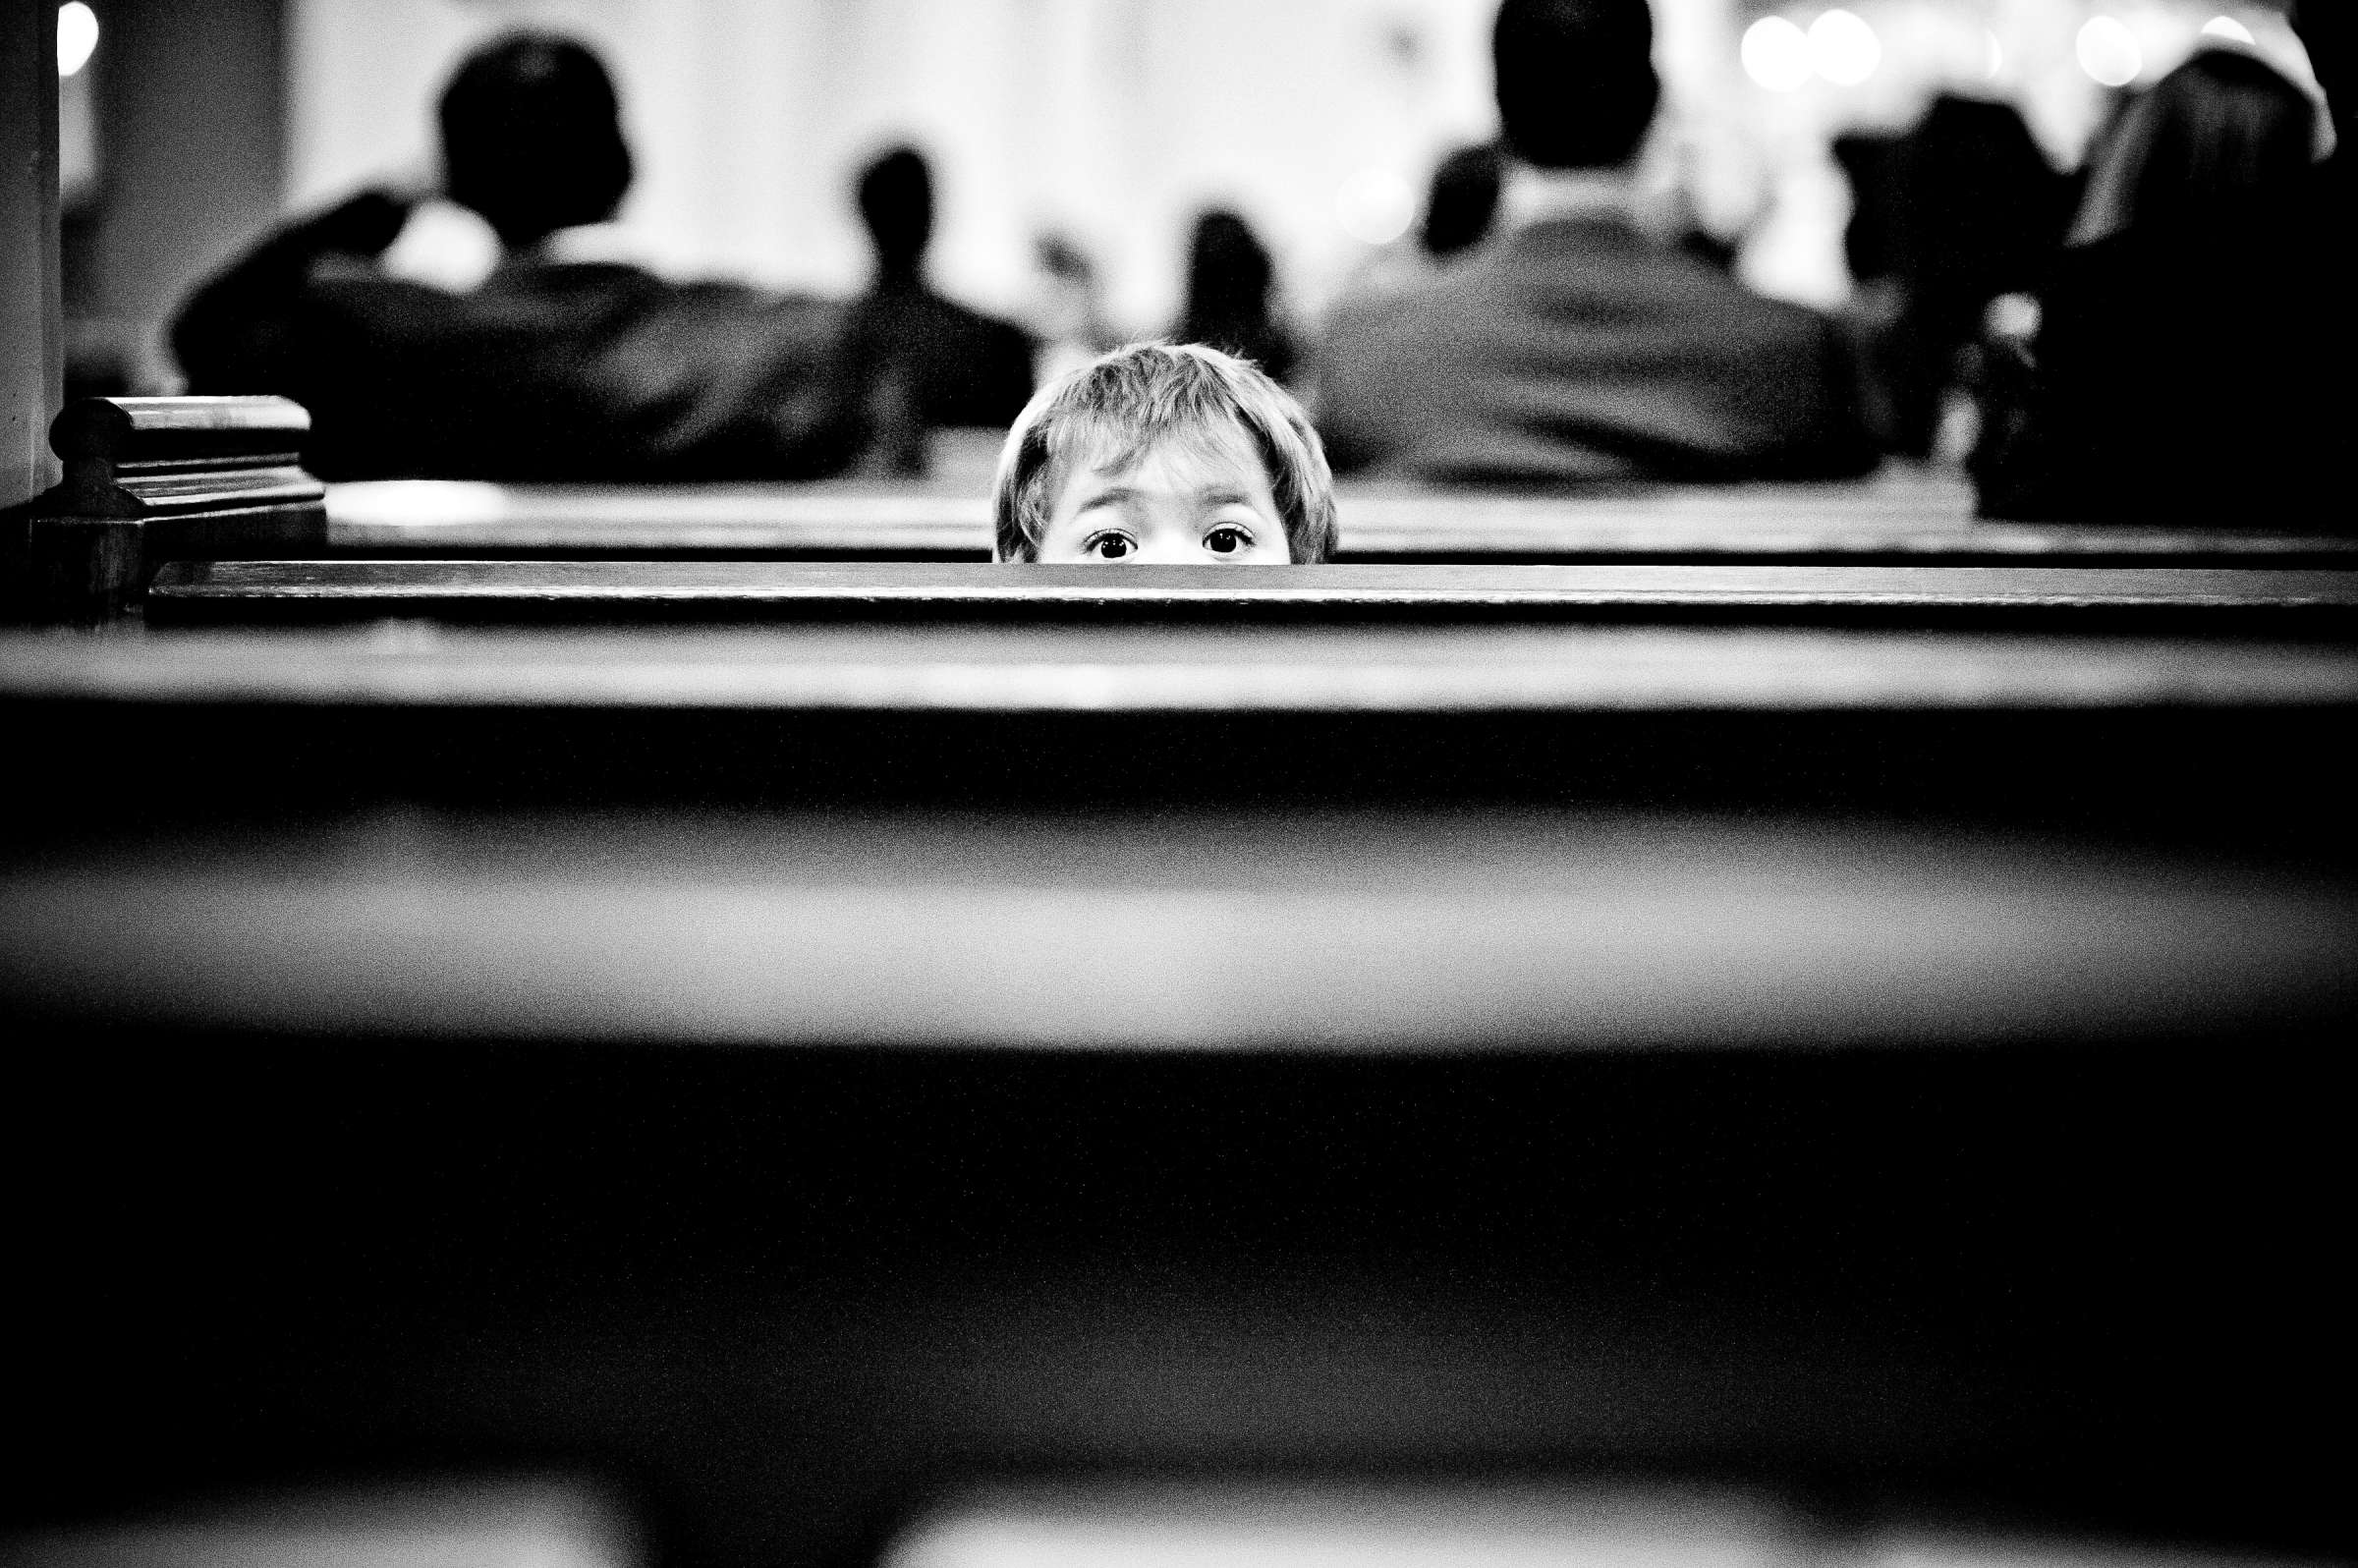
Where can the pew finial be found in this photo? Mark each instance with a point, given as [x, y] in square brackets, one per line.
[156, 480]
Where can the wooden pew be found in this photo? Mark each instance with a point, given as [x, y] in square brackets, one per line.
[788, 1070]
[1567, 671]
[1764, 1027]
[1504, 931]
[522, 589]
[152, 480]
[1901, 516]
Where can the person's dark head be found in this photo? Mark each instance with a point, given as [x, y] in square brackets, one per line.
[2222, 129]
[1982, 208]
[531, 138]
[1228, 270]
[1463, 199]
[896, 203]
[1576, 83]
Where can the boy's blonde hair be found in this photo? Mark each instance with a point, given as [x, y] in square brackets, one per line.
[1113, 410]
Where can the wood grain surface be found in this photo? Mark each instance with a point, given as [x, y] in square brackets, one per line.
[1900, 514]
[2060, 598]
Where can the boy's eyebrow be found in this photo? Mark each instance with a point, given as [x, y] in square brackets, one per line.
[1215, 494]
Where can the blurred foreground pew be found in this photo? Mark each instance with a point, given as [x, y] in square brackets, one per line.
[787, 1124]
[786, 1075]
[1900, 516]
[1180, 1523]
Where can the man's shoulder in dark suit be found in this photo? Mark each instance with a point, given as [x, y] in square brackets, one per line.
[1581, 351]
[968, 369]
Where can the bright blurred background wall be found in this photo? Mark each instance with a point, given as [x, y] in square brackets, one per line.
[1111, 121]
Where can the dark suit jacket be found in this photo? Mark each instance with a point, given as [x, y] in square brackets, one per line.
[956, 367]
[1579, 351]
[548, 371]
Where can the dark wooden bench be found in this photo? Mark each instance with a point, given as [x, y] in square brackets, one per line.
[1903, 516]
[1502, 932]
[1755, 1026]
[787, 1070]
[154, 480]
[1923, 596]
[787, 1166]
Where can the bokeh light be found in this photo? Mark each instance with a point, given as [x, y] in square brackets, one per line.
[77, 36]
[1776, 54]
[1375, 207]
[1843, 48]
[2109, 51]
[1994, 56]
[2228, 27]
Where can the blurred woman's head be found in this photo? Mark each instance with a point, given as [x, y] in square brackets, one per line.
[2221, 129]
[1228, 268]
[1231, 281]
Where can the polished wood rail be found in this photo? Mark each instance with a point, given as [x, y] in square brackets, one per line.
[773, 589]
[1902, 515]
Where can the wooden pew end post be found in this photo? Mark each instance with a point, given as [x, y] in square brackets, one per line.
[156, 480]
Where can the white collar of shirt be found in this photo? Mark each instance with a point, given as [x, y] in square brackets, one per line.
[1550, 195]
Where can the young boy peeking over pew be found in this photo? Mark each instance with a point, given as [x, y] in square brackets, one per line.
[1164, 453]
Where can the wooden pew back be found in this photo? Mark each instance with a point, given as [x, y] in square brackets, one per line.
[257, 590]
[156, 480]
[1901, 516]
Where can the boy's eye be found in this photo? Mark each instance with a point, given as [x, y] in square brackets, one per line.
[1109, 546]
[1228, 539]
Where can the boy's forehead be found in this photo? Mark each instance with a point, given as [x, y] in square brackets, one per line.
[1202, 449]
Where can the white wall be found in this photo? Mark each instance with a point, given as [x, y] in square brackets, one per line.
[1111, 119]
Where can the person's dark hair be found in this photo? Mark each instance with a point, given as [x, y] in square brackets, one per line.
[531, 137]
[1462, 201]
[896, 203]
[1577, 87]
[1229, 276]
[1228, 273]
[1981, 210]
[1115, 410]
[2223, 128]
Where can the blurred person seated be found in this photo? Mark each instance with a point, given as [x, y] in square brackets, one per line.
[927, 361]
[1573, 347]
[1166, 454]
[1959, 209]
[2179, 366]
[1230, 282]
[550, 369]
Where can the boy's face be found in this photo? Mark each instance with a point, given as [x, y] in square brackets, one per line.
[1184, 503]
